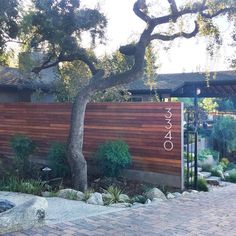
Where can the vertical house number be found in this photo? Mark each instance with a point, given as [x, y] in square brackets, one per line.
[168, 144]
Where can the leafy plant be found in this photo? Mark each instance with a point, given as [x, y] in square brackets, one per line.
[139, 198]
[58, 160]
[202, 185]
[23, 148]
[231, 176]
[205, 152]
[14, 184]
[113, 195]
[223, 134]
[218, 171]
[224, 163]
[87, 194]
[113, 156]
[71, 195]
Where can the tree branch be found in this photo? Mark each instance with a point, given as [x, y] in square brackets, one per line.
[68, 58]
[177, 35]
[173, 7]
[140, 4]
[221, 11]
[128, 50]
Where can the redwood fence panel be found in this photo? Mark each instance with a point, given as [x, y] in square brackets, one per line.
[152, 130]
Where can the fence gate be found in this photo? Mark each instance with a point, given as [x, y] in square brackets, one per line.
[190, 155]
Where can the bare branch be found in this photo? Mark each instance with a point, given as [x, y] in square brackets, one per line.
[82, 56]
[177, 35]
[221, 11]
[173, 6]
[138, 6]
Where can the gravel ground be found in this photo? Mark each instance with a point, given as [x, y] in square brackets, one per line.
[59, 209]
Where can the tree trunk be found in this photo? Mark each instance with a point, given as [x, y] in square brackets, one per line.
[76, 158]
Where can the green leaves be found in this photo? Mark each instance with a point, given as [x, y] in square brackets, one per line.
[113, 156]
[8, 21]
[60, 23]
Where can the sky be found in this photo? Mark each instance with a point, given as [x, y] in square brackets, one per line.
[185, 55]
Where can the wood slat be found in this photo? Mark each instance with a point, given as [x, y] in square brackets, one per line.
[141, 125]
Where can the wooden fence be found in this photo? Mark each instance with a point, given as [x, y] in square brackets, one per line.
[152, 130]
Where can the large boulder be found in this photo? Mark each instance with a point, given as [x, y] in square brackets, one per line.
[5, 205]
[29, 214]
[71, 194]
[96, 199]
[155, 193]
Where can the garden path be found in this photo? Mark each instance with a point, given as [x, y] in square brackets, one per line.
[212, 213]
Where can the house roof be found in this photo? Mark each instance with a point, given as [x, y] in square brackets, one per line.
[13, 78]
[212, 84]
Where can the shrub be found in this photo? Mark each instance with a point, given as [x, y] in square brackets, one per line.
[139, 198]
[113, 195]
[58, 160]
[218, 171]
[113, 156]
[205, 152]
[202, 185]
[71, 195]
[224, 163]
[231, 176]
[223, 134]
[87, 194]
[14, 184]
[23, 148]
[207, 167]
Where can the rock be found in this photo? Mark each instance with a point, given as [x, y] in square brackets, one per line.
[5, 205]
[96, 199]
[185, 193]
[121, 205]
[213, 180]
[80, 196]
[170, 196]
[64, 193]
[137, 204]
[157, 200]
[194, 191]
[177, 194]
[106, 196]
[155, 193]
[71, 194]
[47, 194]
[148, 201]
[124, 198]
[24, 216]
[204, 174]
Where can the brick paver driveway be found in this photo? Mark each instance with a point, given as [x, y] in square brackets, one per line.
[211, 214]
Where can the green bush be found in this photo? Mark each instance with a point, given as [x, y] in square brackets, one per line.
[231, 177]
[218, 171]
[58, 160]
[224, 135]
[23, 147]
[224, 163]
[113, 156]
[202, 185]
[139, 198]
[202, 155]
[14, 184]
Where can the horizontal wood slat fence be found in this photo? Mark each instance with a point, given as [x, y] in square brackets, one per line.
[152, 130]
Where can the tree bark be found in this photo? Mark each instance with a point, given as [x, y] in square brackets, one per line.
[75, 142]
